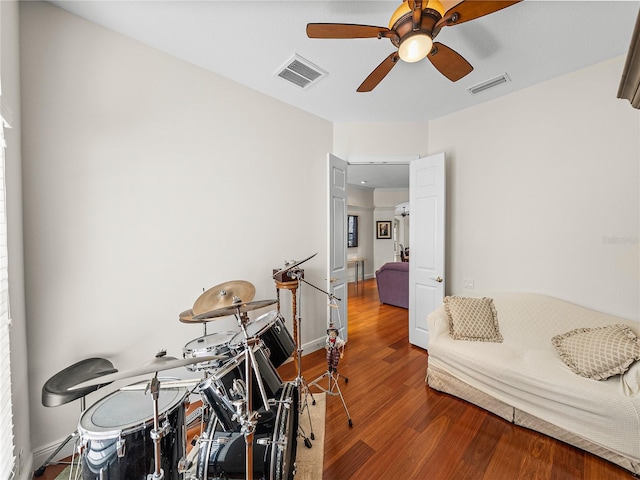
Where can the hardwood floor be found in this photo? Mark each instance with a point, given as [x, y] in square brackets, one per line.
[404, 430]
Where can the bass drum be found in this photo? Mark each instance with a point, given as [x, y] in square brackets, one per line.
[115, 434]
[222, 455]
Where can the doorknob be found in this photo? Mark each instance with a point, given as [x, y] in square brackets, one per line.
[438, 279]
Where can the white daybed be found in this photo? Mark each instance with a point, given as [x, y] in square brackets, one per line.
[524, 380]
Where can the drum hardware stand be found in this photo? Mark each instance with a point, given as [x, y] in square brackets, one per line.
[157, 433]
[295, 274]
[332, 374]
[244, 407]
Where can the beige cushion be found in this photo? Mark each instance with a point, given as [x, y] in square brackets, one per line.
[598, 353]
[473, 319]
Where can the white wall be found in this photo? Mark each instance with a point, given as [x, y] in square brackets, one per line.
[383, 138]
[147, 180]
[373, 205]
[543, 192]
[360, 203]
[13, 182]
[385, 200]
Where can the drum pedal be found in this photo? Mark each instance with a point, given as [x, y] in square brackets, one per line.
[184, 465]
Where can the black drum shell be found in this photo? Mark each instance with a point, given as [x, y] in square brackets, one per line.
[222, 455]
[272, 331]
[217, 390]
[100, 449]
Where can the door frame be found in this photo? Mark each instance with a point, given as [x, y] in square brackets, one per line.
[400, 159]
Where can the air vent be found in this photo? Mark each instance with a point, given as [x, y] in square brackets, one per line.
[493, 82]
[300, 72]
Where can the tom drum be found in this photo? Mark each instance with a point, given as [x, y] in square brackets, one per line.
[270, 328]
[215, 344]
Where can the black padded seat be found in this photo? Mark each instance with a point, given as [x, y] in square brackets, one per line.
[56, 391]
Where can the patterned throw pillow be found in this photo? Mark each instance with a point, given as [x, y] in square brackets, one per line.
[472, 319]
[598, 353]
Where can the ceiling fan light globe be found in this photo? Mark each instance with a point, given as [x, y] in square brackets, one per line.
[415, 47]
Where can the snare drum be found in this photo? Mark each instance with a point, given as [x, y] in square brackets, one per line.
[270, 328]
[223, 454]
[219, 391]
[115, 434]
[214, 344]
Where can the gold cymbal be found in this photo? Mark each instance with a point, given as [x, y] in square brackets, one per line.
[224, 295]
[186, 316]
[232, 310]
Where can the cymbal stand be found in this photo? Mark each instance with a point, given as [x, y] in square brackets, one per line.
[332, 374]
[244, 407]
[157, 433]
[300, 382]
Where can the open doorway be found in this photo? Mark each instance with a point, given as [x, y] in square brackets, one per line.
[376, 185]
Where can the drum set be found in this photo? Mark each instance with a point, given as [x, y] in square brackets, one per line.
[249, 417]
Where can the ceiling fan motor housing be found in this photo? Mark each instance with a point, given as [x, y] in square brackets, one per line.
[402, 22]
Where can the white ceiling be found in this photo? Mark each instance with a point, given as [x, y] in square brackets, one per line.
[248, 41]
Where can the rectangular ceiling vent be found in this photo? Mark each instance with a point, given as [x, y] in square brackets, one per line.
[300, 72]
[493, 82]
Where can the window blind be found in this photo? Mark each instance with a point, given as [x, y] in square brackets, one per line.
[7, 457]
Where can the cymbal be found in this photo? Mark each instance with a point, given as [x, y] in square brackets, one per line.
[186, 316]
[233, 310]
[158, 364]
[291, 266]
[224, 295]
[168, 383]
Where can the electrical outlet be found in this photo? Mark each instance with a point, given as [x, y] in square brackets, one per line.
[468, 283]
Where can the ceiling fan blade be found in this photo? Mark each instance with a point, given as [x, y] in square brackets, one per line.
[471, 9]
[449, 62]
[379, 73]
[345, 30]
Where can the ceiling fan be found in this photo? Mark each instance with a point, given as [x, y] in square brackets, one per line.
[412, 28]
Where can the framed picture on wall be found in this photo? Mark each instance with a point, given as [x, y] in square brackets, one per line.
[383, 229]
[352, 230]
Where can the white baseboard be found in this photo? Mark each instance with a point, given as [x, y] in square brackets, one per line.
[314, 345]
[41, 453]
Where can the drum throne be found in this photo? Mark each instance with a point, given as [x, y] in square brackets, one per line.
[55, 392]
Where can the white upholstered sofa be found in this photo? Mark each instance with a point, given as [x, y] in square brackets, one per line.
[524, 380]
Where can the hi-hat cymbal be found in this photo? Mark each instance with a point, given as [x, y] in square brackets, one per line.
[158, 364]
[224, 295]
[293, 265]
[233, 310]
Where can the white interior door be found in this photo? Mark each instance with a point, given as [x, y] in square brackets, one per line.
[337, 242]
[426, 243]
